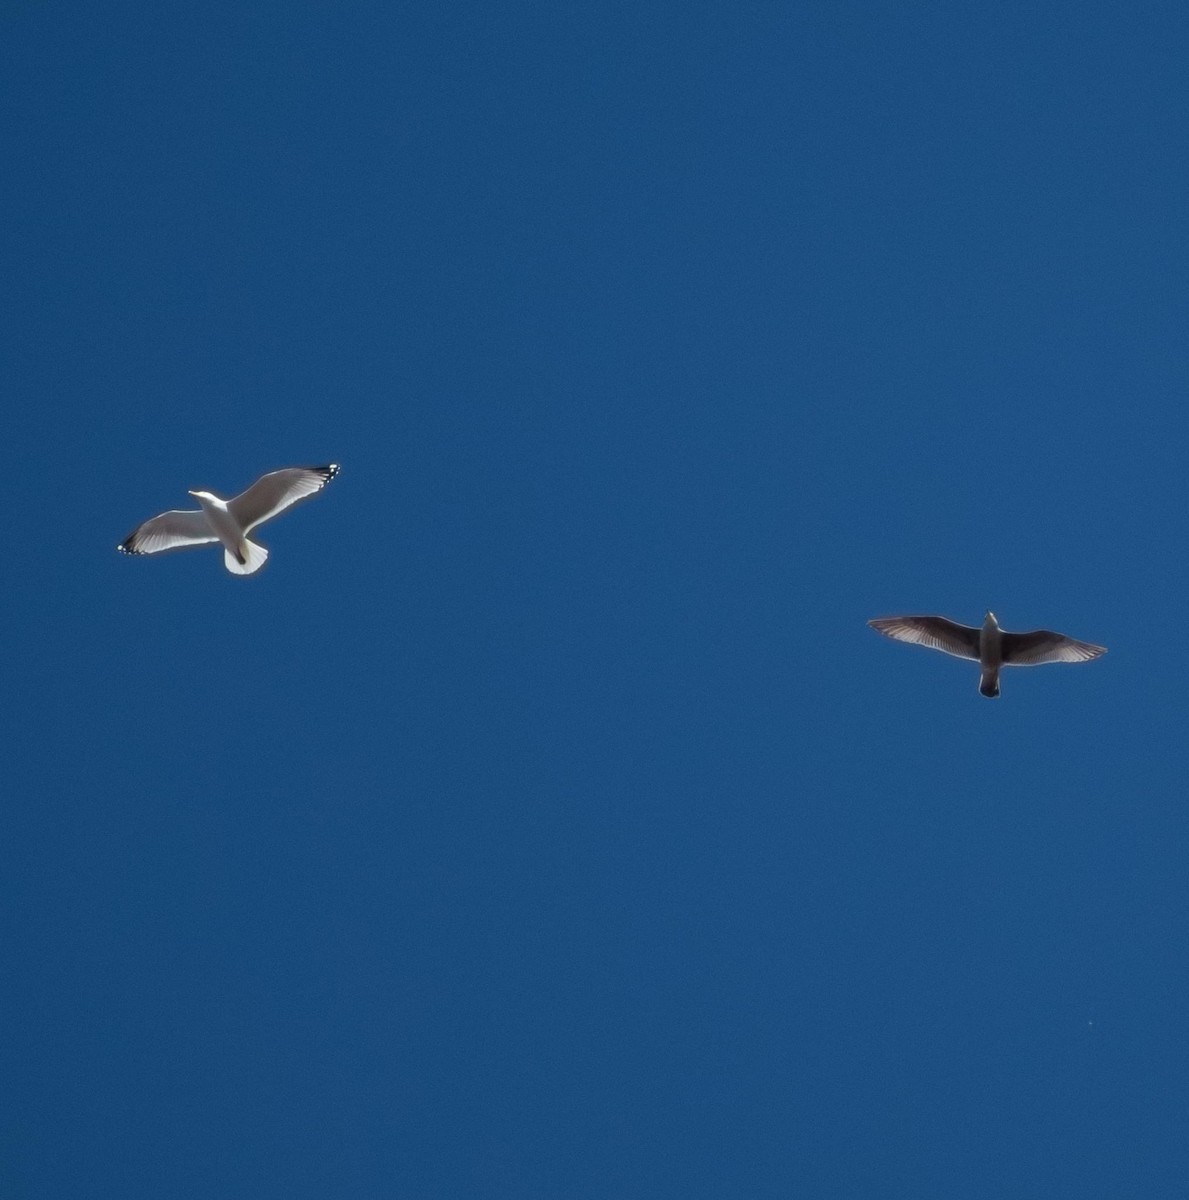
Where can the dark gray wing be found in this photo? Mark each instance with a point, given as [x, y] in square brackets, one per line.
[1045, 646]
[273, 493]
[936, 632]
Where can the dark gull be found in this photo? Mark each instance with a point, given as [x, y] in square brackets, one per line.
[989, 646]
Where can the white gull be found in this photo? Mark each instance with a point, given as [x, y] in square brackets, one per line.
[230, 521]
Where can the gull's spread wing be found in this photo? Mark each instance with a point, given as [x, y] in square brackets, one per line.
[273, 493]
[935, 632]
[170, 531]
[1045, 646]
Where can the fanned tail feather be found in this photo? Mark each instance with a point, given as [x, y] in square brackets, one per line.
[254, 558]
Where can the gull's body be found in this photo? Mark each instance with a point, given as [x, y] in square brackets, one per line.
[988, 645]
[230, 521]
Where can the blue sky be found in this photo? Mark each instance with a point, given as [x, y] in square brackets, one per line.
[544, 821]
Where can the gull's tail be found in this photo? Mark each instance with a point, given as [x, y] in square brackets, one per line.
[988, 684]
[251, 558]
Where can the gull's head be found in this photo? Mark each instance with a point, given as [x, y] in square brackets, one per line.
[200, 495]
[990, 619]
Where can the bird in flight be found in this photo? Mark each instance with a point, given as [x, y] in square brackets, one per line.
[989, 646]
[230, 521]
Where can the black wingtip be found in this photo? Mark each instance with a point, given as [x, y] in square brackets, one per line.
[327, 472]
